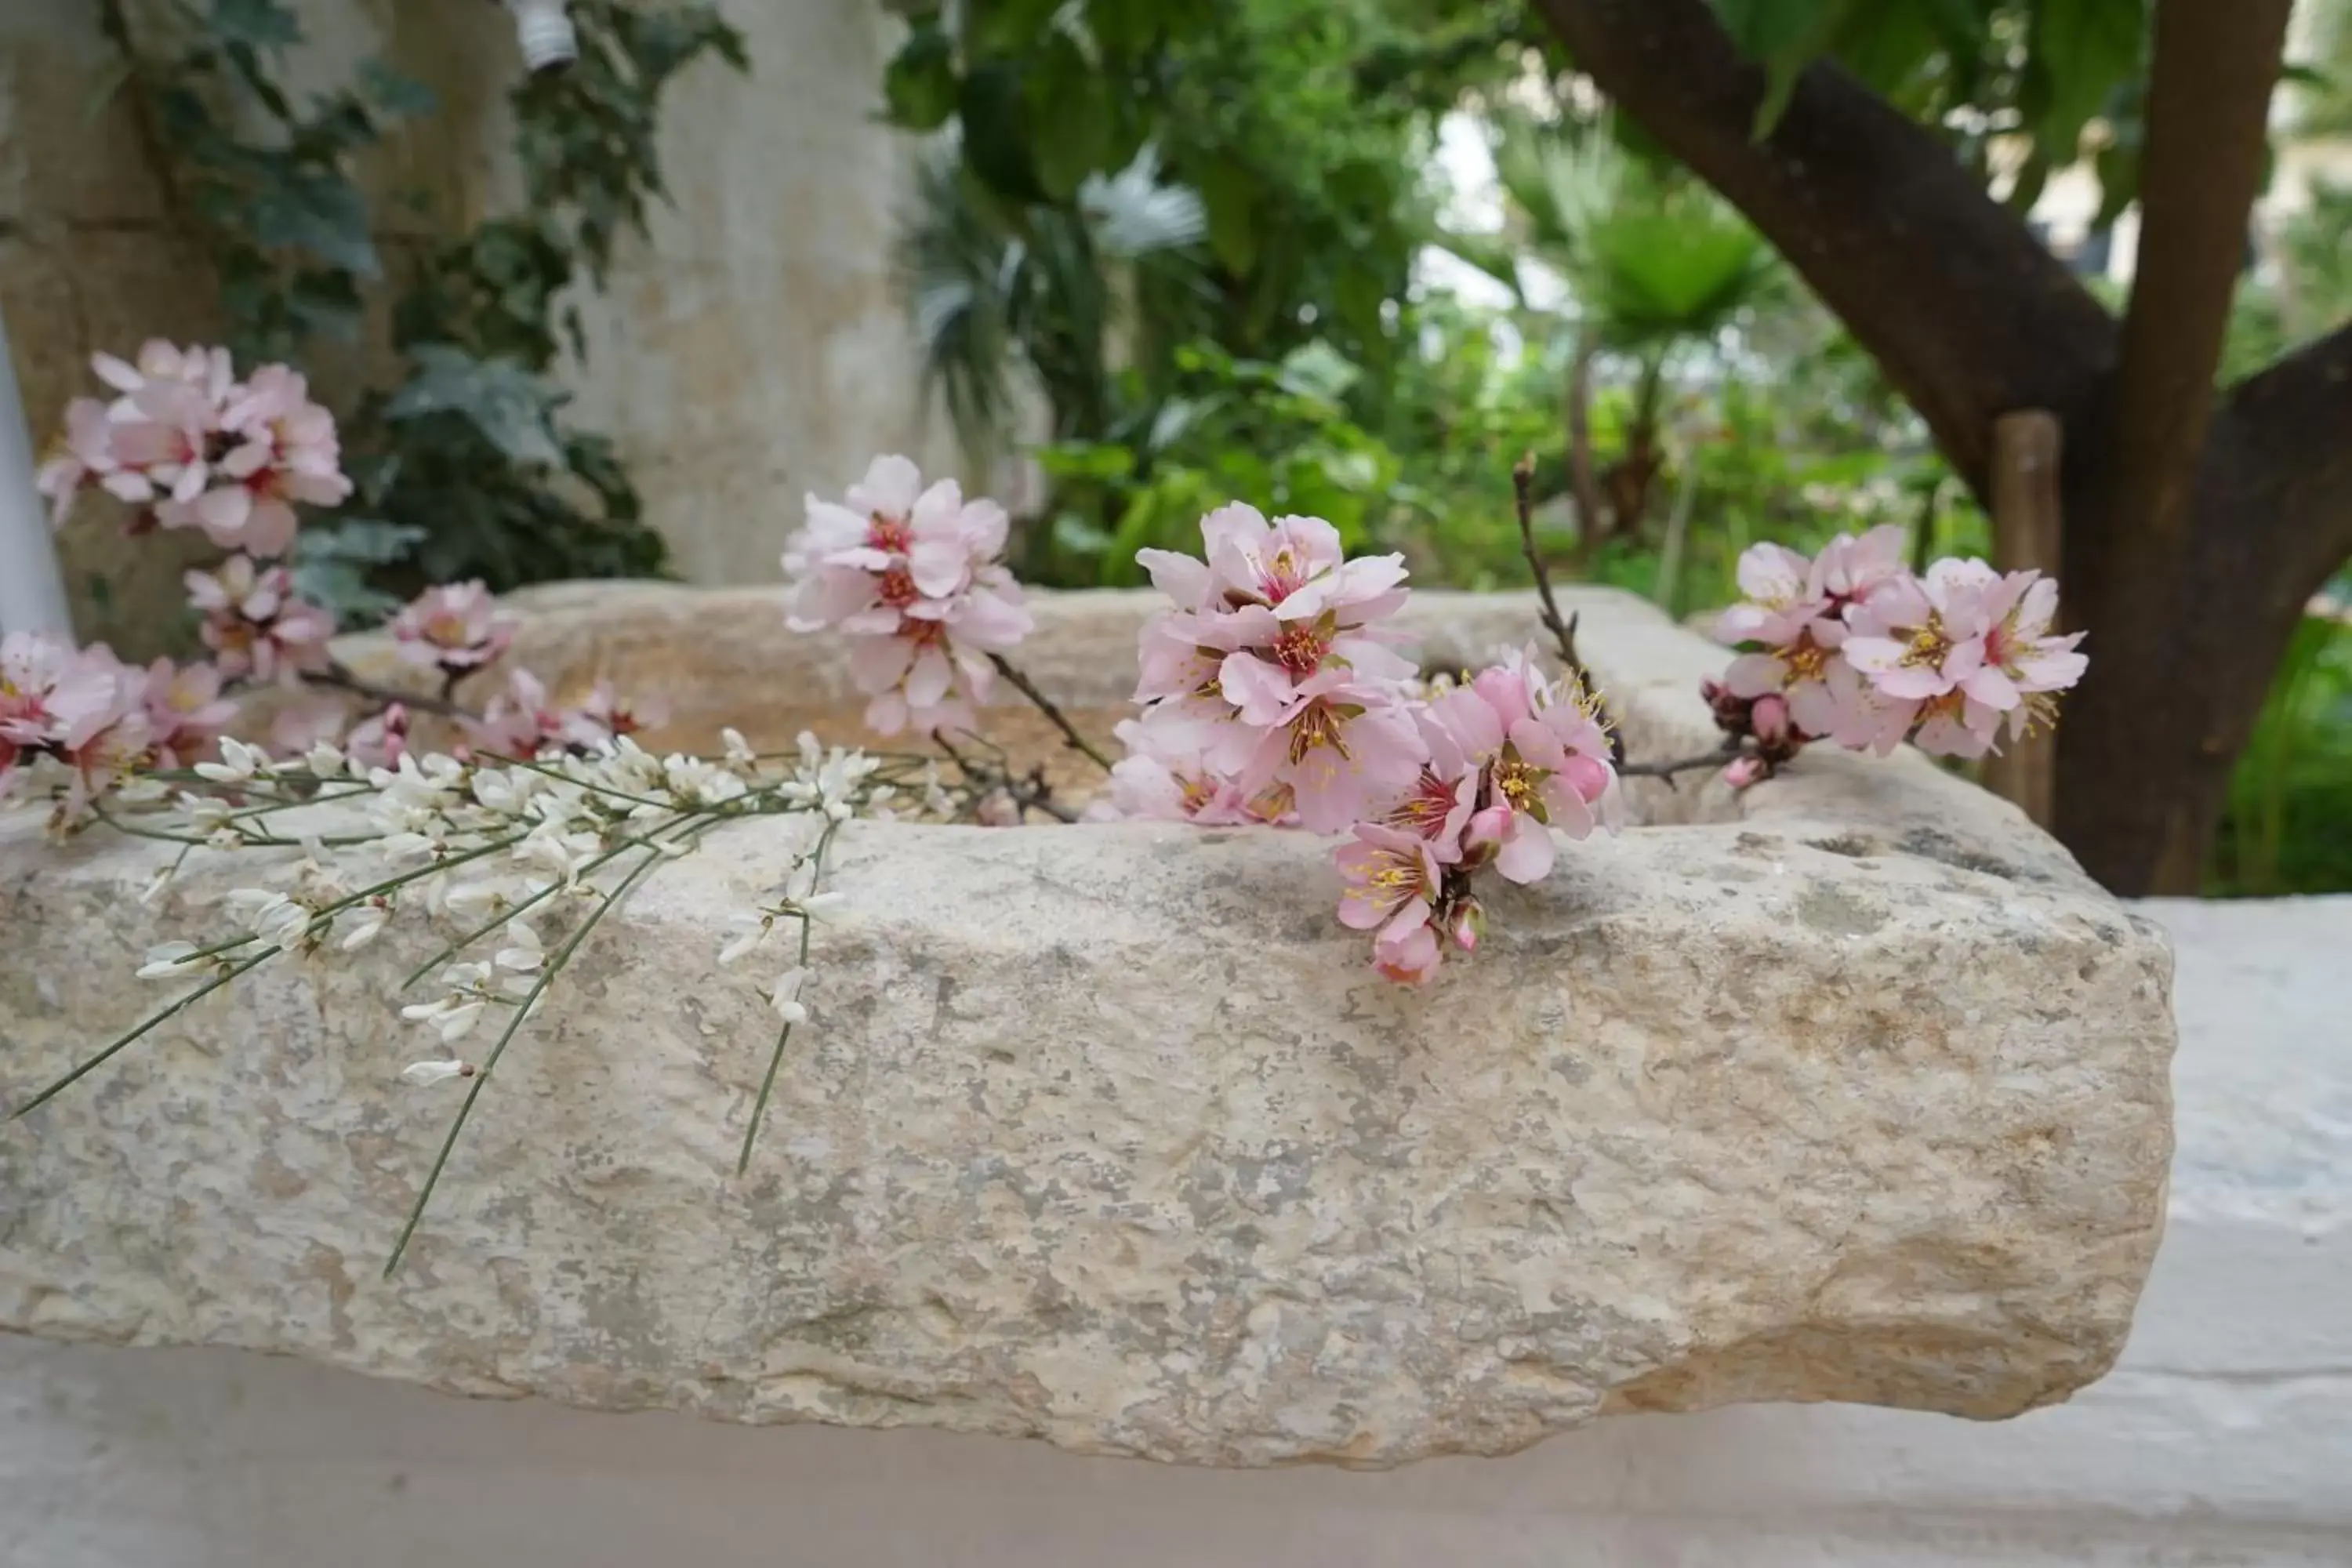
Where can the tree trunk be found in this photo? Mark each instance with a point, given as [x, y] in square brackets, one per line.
[2194, 531]
[2184, 659]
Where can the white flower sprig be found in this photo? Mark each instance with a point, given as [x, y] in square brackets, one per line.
[502, 849]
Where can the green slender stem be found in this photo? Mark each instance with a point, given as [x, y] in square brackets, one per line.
[554, 967]
[196, 841]
[784, 1034]
[479, 931]
[325, 911]
[561, 776]
[174, 1010]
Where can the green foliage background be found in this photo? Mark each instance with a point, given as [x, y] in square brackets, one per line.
[1195, 237]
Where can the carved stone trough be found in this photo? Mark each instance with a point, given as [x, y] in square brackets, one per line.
[1851, 1088]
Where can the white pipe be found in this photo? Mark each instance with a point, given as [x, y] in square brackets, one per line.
[544, 30]
[32, 589]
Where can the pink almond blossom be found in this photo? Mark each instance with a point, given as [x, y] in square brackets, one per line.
[185, 712]
[82, 707]
[912, 574]
[254, 624]
[281, 449]
[379, 739]
[84, 453]
[1972, 647]
[1347, 749]
[1393, 885]
[454, 627]
[1160, 780]
[195, 449]
[524, 721]
[1542, 752]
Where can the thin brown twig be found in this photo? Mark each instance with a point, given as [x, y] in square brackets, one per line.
[1721, 756]
[1028, 687]
[1030, 794]
[339, 677]
[1563, 631]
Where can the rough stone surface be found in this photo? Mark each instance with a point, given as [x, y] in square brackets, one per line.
[1850, 1088]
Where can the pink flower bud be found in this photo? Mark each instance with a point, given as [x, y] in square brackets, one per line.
[1743, 771]
[1769, 719]
[1486, 828]
[1466, 922]
[999, 809]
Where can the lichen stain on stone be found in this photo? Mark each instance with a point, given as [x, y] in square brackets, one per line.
[1835, 912]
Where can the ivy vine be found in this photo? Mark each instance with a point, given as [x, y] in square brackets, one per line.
[466, 466]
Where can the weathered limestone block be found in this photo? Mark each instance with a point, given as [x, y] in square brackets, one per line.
[1851, 1088]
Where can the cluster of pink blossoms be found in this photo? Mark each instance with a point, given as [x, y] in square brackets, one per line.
[196, 448]
[520, 721]
[191, 446]
[1852, 648]
[255, 625]
[914, 576]
[99, 718]
[1271, 694]
[454, 628]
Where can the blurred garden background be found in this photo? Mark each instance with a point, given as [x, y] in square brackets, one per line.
[1121, 261]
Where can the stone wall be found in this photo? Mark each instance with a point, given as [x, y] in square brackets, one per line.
[754, 349]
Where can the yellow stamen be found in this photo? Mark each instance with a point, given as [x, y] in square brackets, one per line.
[1317, 726]
[1929, 645]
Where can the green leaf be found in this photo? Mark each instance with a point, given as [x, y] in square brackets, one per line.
[1317, 370]
[1009, 27]
[1229, 192]
[1070, 109]
[1079, 537]
[512, 408]
[1787, 36]
[257, 24]
[996, 143]
[920, 84]
[371, 541]
[394, 92]
[327, 302]
[2078, 52]
[324, 214]
[1086, 460]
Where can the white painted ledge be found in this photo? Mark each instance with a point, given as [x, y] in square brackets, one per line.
[2224, 1436]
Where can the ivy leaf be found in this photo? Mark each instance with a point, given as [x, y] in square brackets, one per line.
[370, 540]
[326, 301]
[322, 214]
[920, 84]
[257, 24]
[395, 92]
[512, 408]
